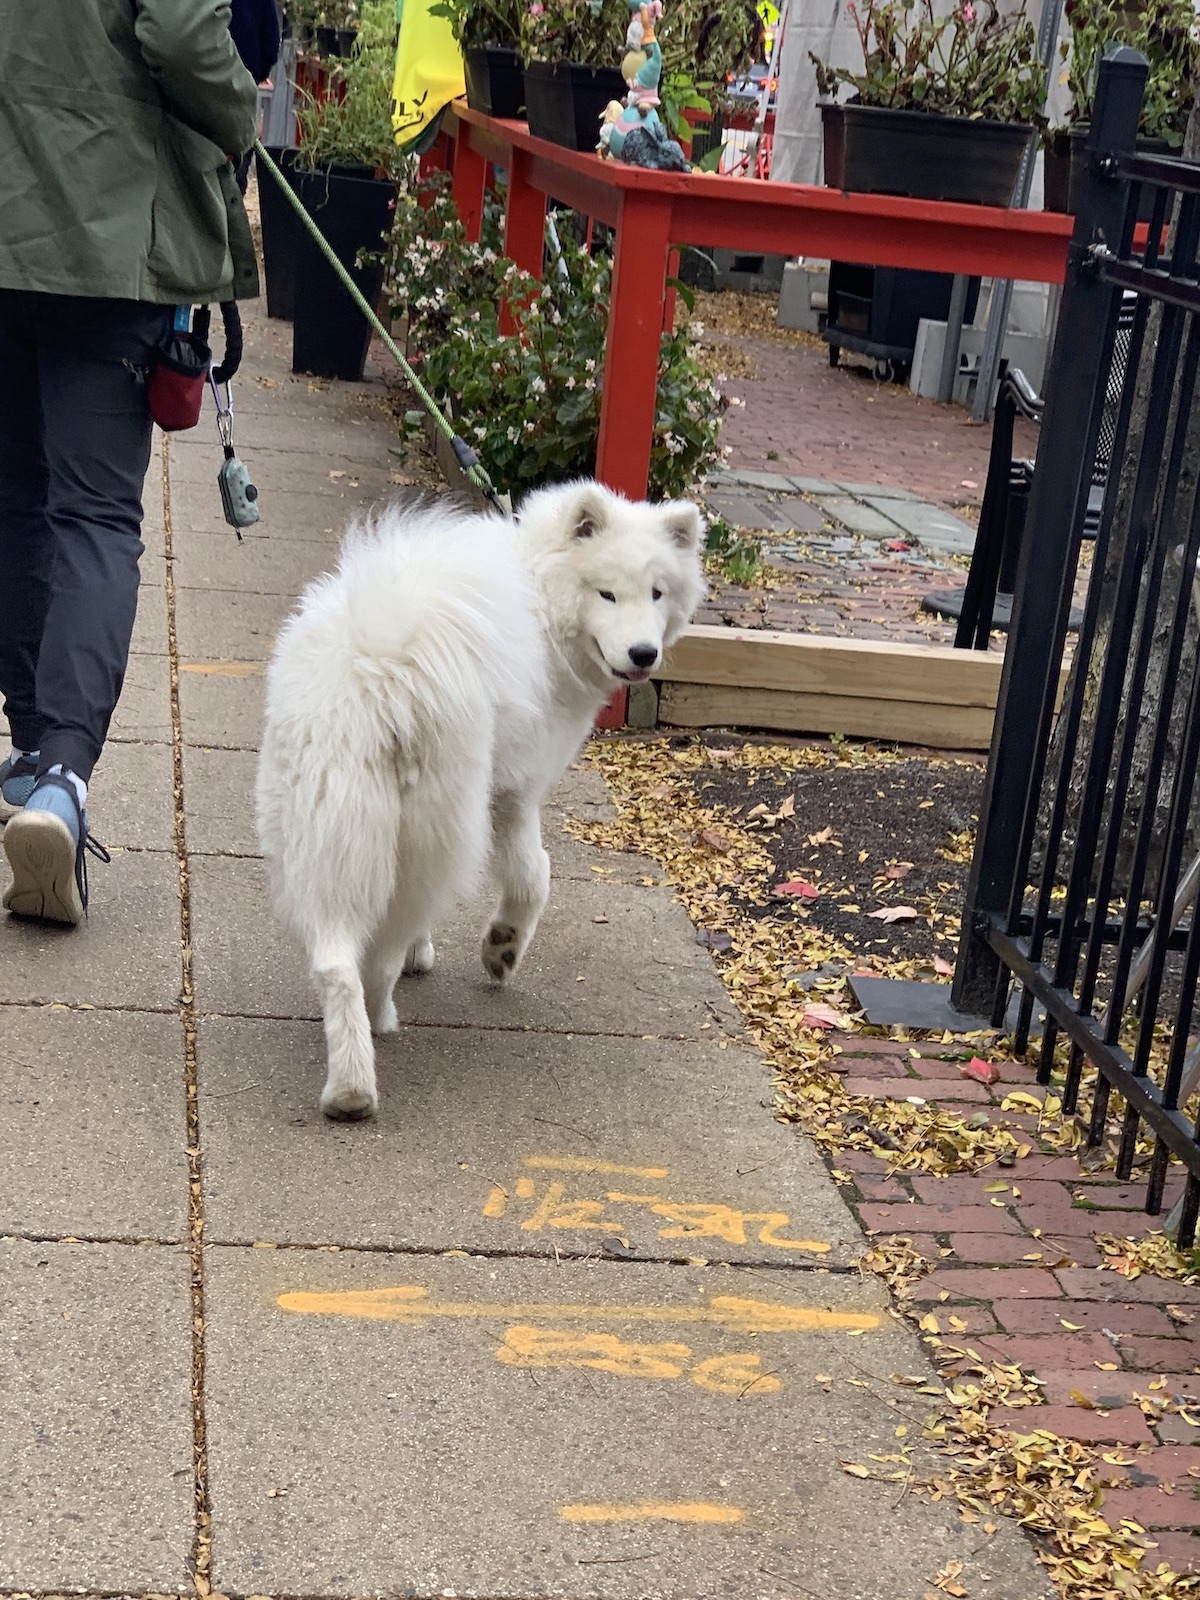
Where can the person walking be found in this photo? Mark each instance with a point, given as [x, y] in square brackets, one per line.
[120, 122]
[257, 34]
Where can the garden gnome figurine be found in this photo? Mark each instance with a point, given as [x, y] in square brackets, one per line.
[633, 133]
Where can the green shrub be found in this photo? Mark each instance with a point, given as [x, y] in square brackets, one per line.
[529, 401]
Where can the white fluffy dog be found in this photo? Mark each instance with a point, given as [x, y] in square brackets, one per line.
[421, 703]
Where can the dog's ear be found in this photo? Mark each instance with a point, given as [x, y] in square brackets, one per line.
[684, 524]
[589, 514]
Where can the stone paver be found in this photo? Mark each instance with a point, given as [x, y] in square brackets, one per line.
[582, 1174]
[96, 1434]
[863, 572]
[645, 948]
[93, 1124]
[530, 1144]
[531, 1424]
[127, 958]
[221, 702]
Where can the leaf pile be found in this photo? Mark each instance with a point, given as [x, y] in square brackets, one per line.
[1155, 1254]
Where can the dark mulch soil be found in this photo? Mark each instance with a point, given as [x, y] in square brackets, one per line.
[908, 814]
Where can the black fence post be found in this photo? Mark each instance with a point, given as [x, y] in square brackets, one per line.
[1025, 706]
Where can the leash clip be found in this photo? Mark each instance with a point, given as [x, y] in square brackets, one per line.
[224, 413]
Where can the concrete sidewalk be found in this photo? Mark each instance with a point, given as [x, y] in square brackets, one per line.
[574, 1317]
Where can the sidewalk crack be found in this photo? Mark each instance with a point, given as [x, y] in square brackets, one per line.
[201, 1556]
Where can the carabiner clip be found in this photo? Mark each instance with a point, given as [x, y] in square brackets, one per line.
[224, 413]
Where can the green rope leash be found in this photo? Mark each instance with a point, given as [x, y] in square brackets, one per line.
[463, 454]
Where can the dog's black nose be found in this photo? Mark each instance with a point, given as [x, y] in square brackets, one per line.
[643, 655]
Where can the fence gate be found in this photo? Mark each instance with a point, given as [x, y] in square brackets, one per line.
[1083, 886]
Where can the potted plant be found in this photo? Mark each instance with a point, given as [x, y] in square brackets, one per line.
[571, 50]
[335, 23]
[1165, 32]
[942, 107]
[346, 172]
[487, 32]
[705, 44]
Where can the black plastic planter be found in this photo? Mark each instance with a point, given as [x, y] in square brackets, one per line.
[330, 335]
[919, 154]
[327, 42]
[280, 230]
[566, 101]
[1065, 161]
[495, 82]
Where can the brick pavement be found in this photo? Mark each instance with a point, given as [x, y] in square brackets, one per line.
[801, 415]
[1013, 1260]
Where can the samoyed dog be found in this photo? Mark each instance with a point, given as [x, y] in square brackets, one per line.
[422, 701]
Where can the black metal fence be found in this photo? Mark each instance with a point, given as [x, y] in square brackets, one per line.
[1084, 882]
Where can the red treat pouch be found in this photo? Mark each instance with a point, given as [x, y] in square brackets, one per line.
[175, 386]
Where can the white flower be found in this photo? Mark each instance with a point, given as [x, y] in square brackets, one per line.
[537, 386]
[570, 383]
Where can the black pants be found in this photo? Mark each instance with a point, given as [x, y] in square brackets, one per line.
[74, 447]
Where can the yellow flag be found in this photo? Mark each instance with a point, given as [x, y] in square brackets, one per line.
[429, 70]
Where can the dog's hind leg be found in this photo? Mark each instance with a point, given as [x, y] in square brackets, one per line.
[419, 957]
[522, 869]
[349, 1091]
[387, 960]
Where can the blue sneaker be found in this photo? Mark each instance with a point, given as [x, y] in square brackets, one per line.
[47, 844]
[17, 778]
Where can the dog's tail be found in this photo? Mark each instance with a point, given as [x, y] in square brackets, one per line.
[350, 1085]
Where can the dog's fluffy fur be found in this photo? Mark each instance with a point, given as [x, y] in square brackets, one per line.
[421, 703]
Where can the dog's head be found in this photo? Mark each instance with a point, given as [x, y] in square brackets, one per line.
[619, 580]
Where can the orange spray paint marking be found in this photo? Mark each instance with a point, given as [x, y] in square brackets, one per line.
[223, 669]
[412, 1304]
[654, 1511]
[589, 1164]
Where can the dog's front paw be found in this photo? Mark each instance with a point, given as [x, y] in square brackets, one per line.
[346, 1103]
[501, 950]
[420, 958]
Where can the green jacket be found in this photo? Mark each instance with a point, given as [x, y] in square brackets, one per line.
[117, 122]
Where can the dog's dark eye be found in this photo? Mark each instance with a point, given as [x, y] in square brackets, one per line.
[605, 595]
[656, 594]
